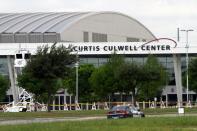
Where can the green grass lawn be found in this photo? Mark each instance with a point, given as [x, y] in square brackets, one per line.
[83, 113]
[29, 115]
[130, 124]
[168, 111]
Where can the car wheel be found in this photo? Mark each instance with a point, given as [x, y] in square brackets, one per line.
[142, 115]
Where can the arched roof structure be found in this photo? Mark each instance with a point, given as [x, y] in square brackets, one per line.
[19, 27]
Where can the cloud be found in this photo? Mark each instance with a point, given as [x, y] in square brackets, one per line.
[162, 17]
[135, 7]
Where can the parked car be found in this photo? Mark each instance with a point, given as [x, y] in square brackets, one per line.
[136, 112]
[124, 112]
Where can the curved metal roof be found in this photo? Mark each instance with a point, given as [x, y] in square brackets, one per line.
[46, 22]
[36, 22]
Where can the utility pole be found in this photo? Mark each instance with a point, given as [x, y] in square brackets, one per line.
[77, 83]
[187, 62]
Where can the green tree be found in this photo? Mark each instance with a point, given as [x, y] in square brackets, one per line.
[4, 85]
[103, 80]
[43, 74]
[144, 81]
[100, 81]
[155, 78]
[130, 75]
[85, 91]
[192, 75]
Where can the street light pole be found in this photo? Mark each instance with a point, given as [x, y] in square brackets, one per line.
[77, 83]
[187, 62]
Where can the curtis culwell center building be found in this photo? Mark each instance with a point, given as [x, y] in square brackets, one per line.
[104, 32]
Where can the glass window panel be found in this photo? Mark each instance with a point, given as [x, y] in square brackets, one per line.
[145, 59]
[83, 60]
[170, 70]
[169, 59]
[3, 66]
[183, 62]
[170, 65]
[183, 59]
[139, 60]
[93, 61]
[128, 59]
[164, 64]
[162, 59]
[103, 60]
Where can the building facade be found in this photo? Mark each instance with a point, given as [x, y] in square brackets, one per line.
[24, 30]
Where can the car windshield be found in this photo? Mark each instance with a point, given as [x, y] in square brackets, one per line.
[116, 108]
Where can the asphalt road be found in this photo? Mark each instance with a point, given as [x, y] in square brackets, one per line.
[45, 120]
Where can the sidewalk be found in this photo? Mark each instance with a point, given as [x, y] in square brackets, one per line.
[45, 120]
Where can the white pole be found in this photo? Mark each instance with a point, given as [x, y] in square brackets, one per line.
[77, 64]
[187, 63]
[187, 46]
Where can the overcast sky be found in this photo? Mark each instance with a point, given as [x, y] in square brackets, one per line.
[162, 17]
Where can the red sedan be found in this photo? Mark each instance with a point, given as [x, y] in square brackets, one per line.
[119, 112]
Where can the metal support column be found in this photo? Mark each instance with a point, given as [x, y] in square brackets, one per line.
[53, 105]
[59, 107]
[166, 100]
[65, 96]
[70, 102]
[12, 78]
[178, 78]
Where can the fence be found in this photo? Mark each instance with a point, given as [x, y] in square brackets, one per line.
[108, 105]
